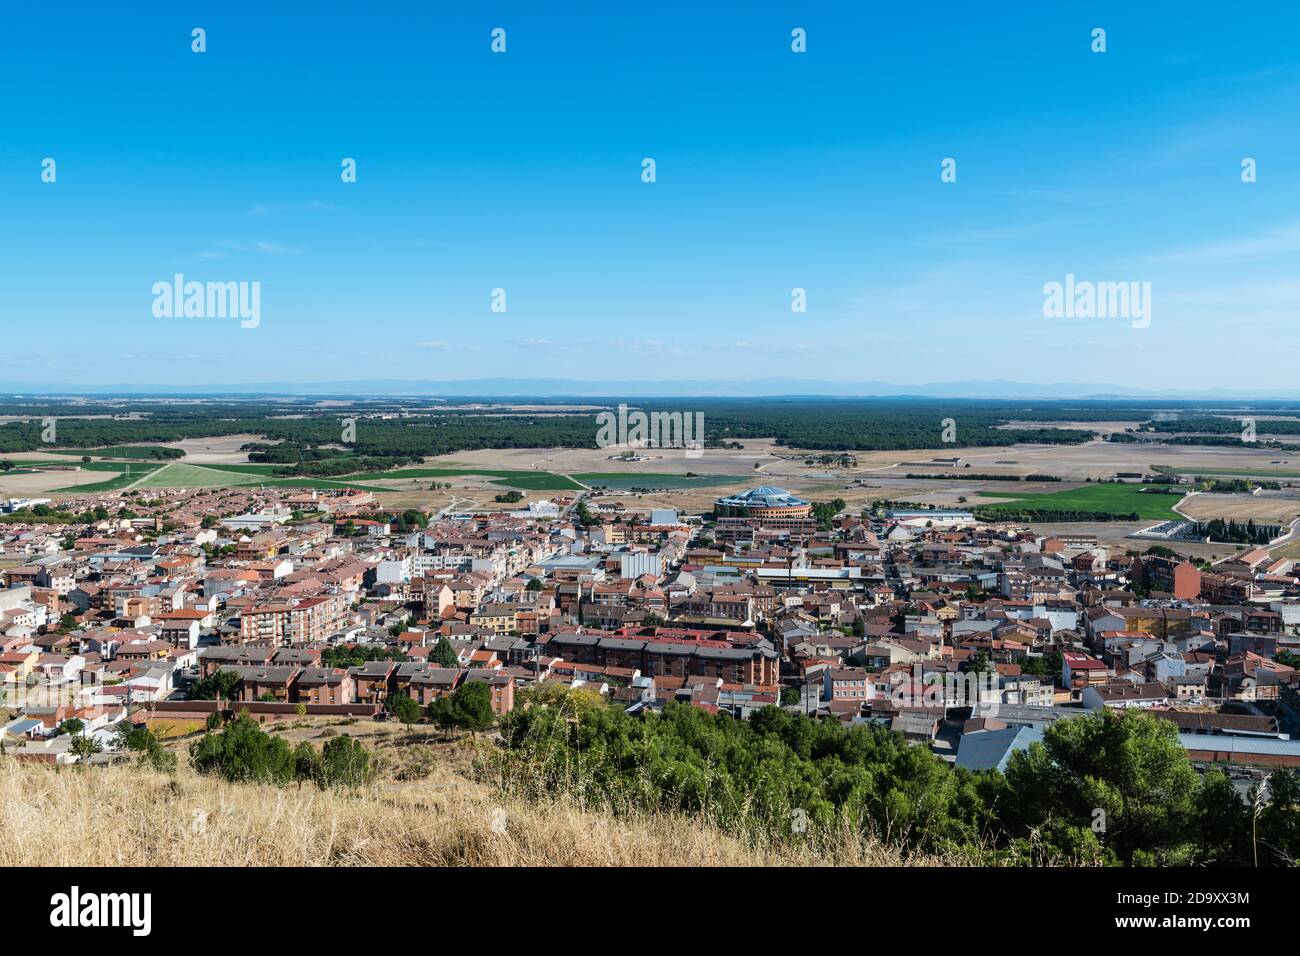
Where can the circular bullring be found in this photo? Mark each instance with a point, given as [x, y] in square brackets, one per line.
[767, 502]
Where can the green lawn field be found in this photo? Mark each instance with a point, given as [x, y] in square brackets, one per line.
[1113, 498]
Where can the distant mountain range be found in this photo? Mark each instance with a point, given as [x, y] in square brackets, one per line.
[703, 388]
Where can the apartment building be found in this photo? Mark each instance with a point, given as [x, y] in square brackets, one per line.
[303, 621]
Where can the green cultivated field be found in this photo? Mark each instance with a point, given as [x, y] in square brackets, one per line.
[201, 476]
[538, 481]
[194, 476]
[1114, 498]
[118, 451]
[319, 483]
[36, 464]
[526, 480]
[181, 475]
[124, 474]
[266, 470]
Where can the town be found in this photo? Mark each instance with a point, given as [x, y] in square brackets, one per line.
[285, 603]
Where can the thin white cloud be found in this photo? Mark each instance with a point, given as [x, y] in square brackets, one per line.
[433, 345]
[264, 246]
[260, 210]
[275, 248]
[1280, 240]
[549, 345]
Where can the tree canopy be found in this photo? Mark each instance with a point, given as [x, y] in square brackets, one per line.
[1111, 788]
[468, 707]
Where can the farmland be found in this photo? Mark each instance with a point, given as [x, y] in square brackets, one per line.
[235, 475]
[193, 476]
[1262, 473]
[201, 476]
[1146, 501]
[542, 455]
[524, 480]
[626, 481]
[124, 474]
[122, 451]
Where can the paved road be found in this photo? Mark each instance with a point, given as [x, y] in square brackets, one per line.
[455, 505]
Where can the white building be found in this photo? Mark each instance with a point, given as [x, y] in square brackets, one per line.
[633, 564]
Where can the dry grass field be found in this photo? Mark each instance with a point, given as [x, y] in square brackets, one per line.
[127, 816]
[1289, 550]
[220, 450]
[40, 484]
[1265, 508]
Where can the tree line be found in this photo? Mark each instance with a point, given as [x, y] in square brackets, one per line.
[1235, 532]
[1113, 788]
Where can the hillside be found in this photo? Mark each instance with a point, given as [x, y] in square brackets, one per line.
[126, 816]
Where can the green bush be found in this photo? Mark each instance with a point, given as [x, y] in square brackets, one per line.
[244, 753]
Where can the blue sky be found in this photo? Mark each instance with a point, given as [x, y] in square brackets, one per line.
[775, 170]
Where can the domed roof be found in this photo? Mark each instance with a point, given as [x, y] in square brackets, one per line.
[766, 496]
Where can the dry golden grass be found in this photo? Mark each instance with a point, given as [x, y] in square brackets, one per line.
[127, 816]
[167, 729]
